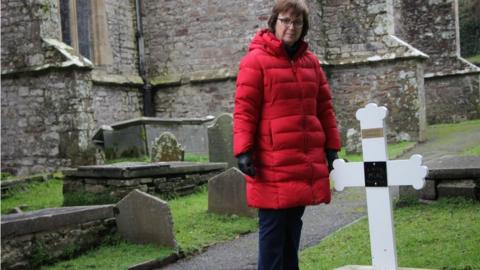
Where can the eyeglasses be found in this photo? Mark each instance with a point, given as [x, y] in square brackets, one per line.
[287, 22]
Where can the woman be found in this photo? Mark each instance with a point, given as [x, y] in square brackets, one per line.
[285, 132]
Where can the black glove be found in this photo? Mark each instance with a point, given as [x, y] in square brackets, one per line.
[245, 164]
[331, 156]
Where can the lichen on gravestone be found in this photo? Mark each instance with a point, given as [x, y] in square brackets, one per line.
[167, 148]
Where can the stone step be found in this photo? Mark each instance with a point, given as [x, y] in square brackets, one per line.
[459, 188]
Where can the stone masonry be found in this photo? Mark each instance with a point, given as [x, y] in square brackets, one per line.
[47, 235]
[102, 184]
[402, 54]
[452, 84]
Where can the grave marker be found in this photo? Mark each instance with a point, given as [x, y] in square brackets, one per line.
[143, 218]
[227, 194]
[167, 148]
[377, 174]
[220, 138]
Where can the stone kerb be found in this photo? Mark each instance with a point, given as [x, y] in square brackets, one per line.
[449, 176]
[227, 194]
[55, 232]
[167, 148]
[220, 140]
[145, 219]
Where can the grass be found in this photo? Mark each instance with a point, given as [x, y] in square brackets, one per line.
[130, 159]
[120, 255]
[196, 157]
[444, 130]
[188, 157]
[394, 150]
[474, 151]
[5, 176]
[35, 196]
[196, 229]
[442, 235]
[474, 59]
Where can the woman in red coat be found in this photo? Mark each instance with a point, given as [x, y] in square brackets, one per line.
[285, 132]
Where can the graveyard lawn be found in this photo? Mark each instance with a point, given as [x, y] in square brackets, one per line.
[35, 196]
[116, 255]
[442, 235]
[196, 229]
[474, 151]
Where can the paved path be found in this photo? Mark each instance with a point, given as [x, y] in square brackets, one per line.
[320, 221]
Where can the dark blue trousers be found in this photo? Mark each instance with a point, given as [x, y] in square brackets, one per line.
[279, 238]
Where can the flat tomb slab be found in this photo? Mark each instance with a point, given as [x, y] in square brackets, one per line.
[52, 218]
[454, 167]
[143, 169]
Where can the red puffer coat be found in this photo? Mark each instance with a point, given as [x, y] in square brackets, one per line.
[284, 115]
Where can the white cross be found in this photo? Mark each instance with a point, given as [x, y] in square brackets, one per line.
[377, 182]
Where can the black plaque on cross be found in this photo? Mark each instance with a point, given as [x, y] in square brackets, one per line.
[375, 173]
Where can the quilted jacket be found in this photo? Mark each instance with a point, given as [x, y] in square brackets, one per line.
[284, 116]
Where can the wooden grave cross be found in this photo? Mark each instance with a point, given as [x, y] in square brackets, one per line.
[377, 174]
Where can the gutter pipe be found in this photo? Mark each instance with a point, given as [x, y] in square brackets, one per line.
[142, 69]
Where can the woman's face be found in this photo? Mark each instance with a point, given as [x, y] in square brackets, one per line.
[289, 27]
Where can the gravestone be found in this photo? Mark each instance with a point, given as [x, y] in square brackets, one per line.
[227, 194]
[167, 148]
[220, 139]
[376, 173]
[145, 219]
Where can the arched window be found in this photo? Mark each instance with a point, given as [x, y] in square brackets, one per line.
[84, 27]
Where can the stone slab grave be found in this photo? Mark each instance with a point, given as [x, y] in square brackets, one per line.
[144, 219]
[227, 194]
[166, 148]
[135, 137]
[449, 176]
[55, 231]
[115, 181]
[220, 140]
[376, 173]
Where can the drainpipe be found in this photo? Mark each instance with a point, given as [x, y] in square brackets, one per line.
[142, 70]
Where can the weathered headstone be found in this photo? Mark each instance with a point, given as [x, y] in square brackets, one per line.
[167, 148]
[143, 219]
[220, 140]
[227, 194]
[377, 174]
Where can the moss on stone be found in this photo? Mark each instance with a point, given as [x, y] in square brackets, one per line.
[168, 79]
[86, 198]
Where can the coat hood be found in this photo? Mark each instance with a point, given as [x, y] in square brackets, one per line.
[268, 42]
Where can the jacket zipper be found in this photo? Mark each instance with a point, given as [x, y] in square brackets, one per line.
[294, 70]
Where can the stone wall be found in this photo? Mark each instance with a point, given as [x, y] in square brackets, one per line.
[114, 103]
[451, 83]
[452, 99]
[46, 120]
[121, 22]
[24, 24]
[51, 100]
[195, 100]
[44, 236]
[394, 84]
[184, 36]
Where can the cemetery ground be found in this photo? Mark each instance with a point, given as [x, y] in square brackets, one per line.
[444, 234]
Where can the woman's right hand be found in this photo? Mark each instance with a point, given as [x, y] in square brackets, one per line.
[245, 164]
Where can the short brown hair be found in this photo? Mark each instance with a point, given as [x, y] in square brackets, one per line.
[299, 7]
